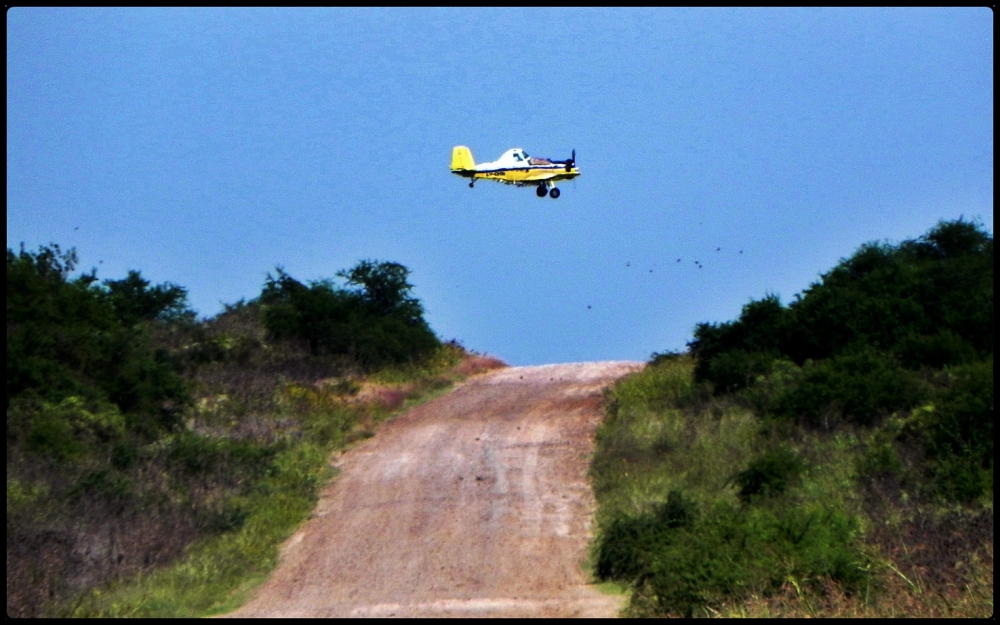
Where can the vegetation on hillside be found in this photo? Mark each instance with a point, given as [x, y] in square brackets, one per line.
[829, 457]
[832, 456]
[377, 322]
[155, 461]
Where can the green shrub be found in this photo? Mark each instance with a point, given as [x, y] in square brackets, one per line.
[879, 461]
[676, 511]
[769, 474]
[65, 430]
[893, 349]
[858, 388]
[22, 495]
[764, 395]
[657, 358]
[123, 455]
[734, 370]
[67, 337]
[668, 381]
[730, 553]
[731, 355]
[935, 351]
[377, 323]
[959, 436]
[134, 300]
[198, 455]
[960, 479]
[628, 546]
[927, 302]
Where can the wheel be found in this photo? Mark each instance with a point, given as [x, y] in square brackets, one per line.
[554, 193]
[542, 190]
[470, 184]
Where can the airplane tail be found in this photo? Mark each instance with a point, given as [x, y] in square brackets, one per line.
[461, 158]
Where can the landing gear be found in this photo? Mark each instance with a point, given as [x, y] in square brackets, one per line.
[472, 183]
[547, 188]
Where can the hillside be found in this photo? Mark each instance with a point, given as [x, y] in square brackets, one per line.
[831, 457]
[143, 444]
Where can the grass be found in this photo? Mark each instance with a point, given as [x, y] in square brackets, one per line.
[220, 569]
[810, 545]
[898, 596]
[649, 446]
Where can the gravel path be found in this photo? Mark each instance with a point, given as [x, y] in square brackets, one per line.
[474, 504]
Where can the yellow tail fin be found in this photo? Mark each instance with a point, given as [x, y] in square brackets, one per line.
[461, 158]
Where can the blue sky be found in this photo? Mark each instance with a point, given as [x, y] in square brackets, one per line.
[204, 147]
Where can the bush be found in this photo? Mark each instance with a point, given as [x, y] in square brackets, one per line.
[857, 387]
[737, 369]
[676, 511]
[731, 355]
[959, 437]
[628, 546]
[730, 553]
[666, 381]
[935, 351]
[926, 302]
[103, 484]
[879, 461]
[892, 347]
[657, 358]
[376, 324]
[66, 429]
[67, 337]
[764, 395]
[199, 455]
[770, 474]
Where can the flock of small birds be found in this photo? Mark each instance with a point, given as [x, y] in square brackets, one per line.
[697, 264]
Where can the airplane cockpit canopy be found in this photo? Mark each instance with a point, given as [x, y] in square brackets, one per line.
[517, 154]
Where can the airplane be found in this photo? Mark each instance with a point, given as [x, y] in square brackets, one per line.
[515, 167]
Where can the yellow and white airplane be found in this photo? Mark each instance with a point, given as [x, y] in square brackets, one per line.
[515, 167]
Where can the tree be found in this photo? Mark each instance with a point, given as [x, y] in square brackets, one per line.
[376, 323]
[385, 289]
[67, 337]
[925, 302]
[134, 300]
[893, 329]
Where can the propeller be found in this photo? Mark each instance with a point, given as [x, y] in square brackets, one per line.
[572, 161]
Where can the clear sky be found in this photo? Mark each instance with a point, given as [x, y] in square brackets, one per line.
[204, 147]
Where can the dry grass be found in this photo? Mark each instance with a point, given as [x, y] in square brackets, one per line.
[924, 559]
[285, 403]
[476, 364]
[898, 596]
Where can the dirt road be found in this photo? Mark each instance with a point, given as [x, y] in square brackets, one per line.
[474, 504]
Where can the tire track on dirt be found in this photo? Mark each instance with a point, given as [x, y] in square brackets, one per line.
[474, 504]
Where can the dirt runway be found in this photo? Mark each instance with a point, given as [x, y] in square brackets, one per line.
[474, 504]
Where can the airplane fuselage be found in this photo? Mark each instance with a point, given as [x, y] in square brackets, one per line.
[522, 176]
[517, 168]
